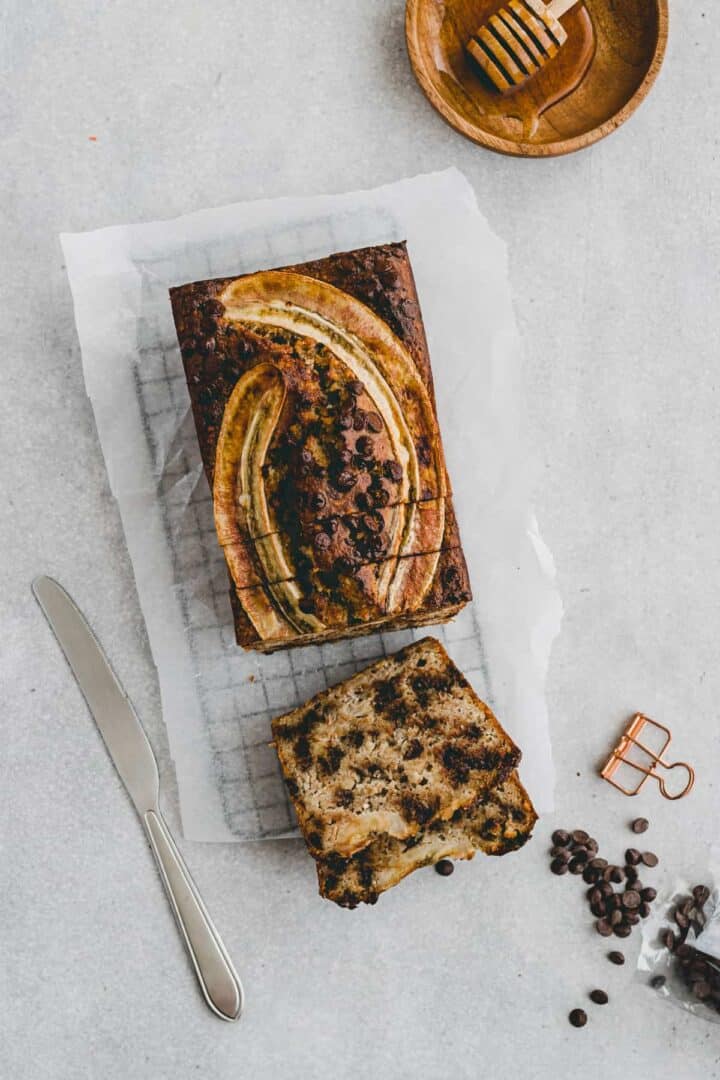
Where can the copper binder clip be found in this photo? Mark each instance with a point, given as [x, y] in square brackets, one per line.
[650, 761]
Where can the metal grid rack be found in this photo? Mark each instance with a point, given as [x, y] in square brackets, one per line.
[239, 692]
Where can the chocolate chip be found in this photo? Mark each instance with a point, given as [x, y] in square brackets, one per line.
[365, 447]
[444, 868]
[345, 456]
[682, 920]
[631, 899]
[616, 917]
[603, 928]
[644, 910]
[668, 939]
[581, 854]
[359, 419]
[640, 825]
[558, 852]
[631, 873]
[701, 894]
[650, 858]
[648, 895]
[212, 307]
[616, 874]
[381, 496]
[322, 541]
[658, 981]
[633, 857]
[578, 1018]
[595, 896]
[331, 525]
[599, 997]
[580, 837]
[317, 501]
[393, 471]
[559, 866]
[590, 875]
[356, 387]
[373, 422]
[346, 480]
[616, 958]
[576, 866]
[623, 930]
[373, 522]
[345, 420]
[599, 864]
[632, 918]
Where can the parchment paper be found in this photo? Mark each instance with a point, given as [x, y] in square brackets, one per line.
[218, 700]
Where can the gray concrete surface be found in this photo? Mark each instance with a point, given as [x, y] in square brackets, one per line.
[614, 260]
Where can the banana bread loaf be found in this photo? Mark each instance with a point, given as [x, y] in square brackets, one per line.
[313, 400]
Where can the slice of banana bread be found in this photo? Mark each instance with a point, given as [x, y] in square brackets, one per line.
[402, 743]
[499, 822]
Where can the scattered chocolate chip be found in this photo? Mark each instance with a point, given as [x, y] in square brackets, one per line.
[444, 868]
[640, 825]
[579, 836]
[658, 981]
[616, 957]
[603, 928]
[599, 864]
[668, 939]
[650, 858]
[682, 920]
[616, 917]
[558, 852]
[616, 874]
[559, 866]
[631, 899]
[373, 422]
[633, 857]
[355, 387]
[345, 420]
[599, 997]
[632, 918]
[317, 501]
[359, 419]
[576, 866]
[345, 480]
[322, 541]
[365, 447]
[623, 930]
[644, 910]
[578, 1018]
[701, 894]
[393, 471]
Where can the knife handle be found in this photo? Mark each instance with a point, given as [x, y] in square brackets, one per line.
[219, 983]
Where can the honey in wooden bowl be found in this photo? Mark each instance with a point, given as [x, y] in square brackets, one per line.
[599, 77]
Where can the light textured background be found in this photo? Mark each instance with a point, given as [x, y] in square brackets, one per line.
[615, 257]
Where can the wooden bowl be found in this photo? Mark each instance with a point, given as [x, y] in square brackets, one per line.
[605, 69]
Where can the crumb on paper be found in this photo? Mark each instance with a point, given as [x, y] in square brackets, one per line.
[92, 138]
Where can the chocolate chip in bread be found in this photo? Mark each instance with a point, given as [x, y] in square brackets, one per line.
[399, 745]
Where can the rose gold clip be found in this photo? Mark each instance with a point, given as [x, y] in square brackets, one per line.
[621, 756]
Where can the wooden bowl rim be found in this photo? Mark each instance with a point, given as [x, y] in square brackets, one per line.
[525, 149]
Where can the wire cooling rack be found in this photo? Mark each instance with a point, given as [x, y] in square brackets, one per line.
[238, 691]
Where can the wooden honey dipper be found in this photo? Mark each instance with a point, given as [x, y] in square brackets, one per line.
[518, 41]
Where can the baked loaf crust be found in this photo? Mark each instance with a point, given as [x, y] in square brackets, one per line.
[313, 401]
[500, 821]
[404, 743]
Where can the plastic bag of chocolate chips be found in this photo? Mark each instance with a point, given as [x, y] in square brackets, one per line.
[680, 955]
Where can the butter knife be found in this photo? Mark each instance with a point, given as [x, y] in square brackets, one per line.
[132, 755]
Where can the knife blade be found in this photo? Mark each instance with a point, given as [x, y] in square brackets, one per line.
[135, 762]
